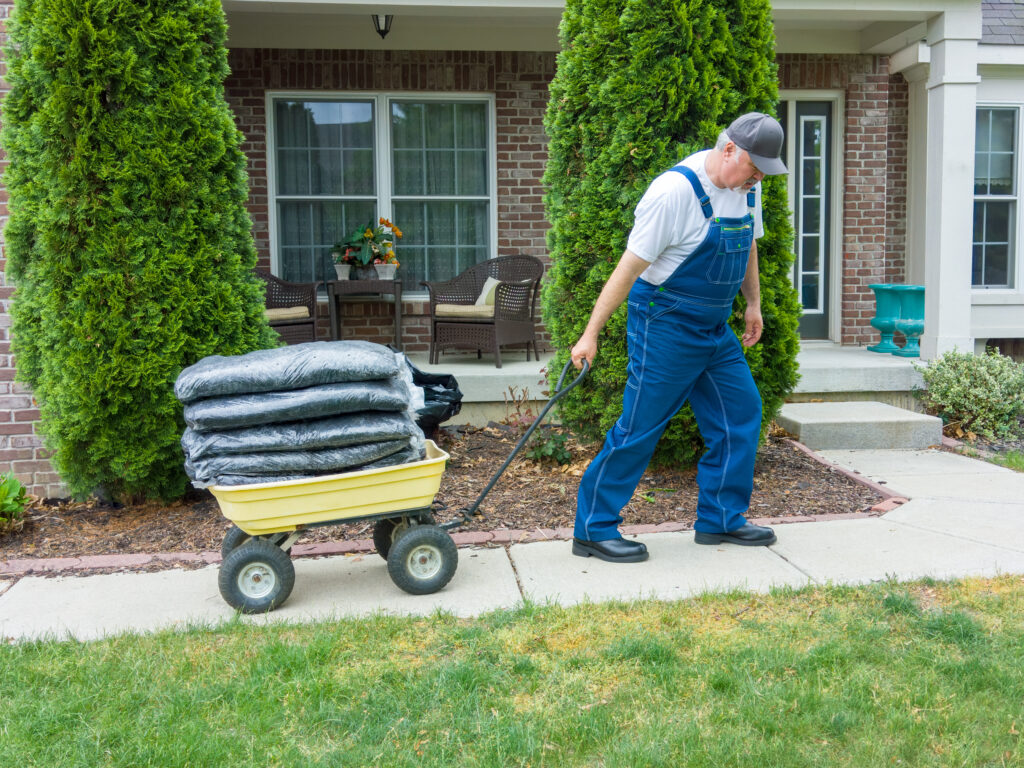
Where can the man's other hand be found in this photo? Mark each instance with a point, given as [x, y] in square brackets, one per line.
[754, 326]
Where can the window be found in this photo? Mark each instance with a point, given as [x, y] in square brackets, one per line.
[426, 165]
[995, 197]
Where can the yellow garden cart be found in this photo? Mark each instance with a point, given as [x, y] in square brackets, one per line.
[256, 573]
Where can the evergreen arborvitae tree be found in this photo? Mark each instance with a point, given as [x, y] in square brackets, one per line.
[641, 84]
[128, 239]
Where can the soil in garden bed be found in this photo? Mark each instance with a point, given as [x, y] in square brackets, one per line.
[529, 495]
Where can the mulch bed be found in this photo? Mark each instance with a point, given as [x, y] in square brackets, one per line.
[530, 495]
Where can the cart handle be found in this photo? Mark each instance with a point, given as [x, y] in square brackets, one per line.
[467, 514]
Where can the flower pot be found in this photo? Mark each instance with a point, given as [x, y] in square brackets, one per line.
[386, 271]
[342, 271]
[367, 272]
[887, 311]
[911, 318]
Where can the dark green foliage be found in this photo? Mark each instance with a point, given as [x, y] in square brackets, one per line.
[128, 238]
[550, 445]
[640, 85]
[13, 500]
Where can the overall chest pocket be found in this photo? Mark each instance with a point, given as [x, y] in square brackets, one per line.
[730, 260]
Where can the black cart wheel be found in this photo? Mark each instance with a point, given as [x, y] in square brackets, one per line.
[256, 577]
[423, 559]
[234, 538]
[386, 530]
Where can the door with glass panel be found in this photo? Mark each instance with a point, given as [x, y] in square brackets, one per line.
[808, 131]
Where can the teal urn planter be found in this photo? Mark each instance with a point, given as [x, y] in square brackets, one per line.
[911, 318]
[887, 311]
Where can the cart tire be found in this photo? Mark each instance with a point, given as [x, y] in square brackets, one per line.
[256, 577]
[387, 529]
[423, 559]
[383, 530]
[233, 539]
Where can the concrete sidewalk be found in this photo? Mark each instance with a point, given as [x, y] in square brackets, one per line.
[965, 518]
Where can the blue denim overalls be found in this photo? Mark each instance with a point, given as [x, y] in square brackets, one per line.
[681, 347]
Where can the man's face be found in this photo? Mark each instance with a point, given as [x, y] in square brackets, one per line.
[738, 172]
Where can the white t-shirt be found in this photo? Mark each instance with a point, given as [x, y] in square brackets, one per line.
[669, 223]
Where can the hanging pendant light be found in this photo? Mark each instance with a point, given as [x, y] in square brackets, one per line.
[382, 23]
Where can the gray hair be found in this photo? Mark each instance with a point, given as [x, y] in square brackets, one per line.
[723, 139]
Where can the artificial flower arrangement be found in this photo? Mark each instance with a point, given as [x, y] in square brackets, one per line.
[369, 245]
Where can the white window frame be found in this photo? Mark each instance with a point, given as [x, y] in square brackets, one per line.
[382, 152]
[1015, 291]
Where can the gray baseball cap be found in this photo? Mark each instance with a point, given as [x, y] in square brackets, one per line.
[760, 135]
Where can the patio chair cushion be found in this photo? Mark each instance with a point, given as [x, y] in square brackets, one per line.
[464, 310]
[286, 313]
[486, 296]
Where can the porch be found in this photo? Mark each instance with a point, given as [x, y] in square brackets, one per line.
[828, 371]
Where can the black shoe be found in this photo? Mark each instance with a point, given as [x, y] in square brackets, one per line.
[749, 535]
[612, 550]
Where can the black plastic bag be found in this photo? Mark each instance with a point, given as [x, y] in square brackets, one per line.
[442, 399]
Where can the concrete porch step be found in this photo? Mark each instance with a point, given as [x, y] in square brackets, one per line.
[832, 425]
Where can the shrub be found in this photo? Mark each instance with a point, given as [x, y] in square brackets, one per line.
[550, 446]
[640, 84]
[12, 503]
[128, 239]
[984, 394]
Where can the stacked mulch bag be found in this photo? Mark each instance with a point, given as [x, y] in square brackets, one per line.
[298, 411]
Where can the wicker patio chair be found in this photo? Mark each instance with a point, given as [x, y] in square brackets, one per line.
[291, 308]
[457, 321]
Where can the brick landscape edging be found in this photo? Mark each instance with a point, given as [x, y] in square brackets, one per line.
[55, 565]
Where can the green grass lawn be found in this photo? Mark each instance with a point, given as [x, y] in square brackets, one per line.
[1012, 459]
[925, 674]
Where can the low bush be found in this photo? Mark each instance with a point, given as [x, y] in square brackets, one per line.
[551, 447]
[12, 503]
[984, 394]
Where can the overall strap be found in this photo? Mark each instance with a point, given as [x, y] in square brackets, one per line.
[702, 198]
[751, 198]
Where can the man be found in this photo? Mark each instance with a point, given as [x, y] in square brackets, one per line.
[692, 248]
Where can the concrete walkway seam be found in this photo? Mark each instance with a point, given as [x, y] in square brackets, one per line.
[793, 565]
[887, 493]
[957, 536]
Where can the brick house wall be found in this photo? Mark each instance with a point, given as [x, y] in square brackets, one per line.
[21, 448]
[874, 191]
[519, 82]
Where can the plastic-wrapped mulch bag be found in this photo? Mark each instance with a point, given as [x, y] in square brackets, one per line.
[334, 432]
[285, 368]
[310, 403]
[206, 470]
[336, 407]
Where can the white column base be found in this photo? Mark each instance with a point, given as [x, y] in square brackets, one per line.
[935, 346]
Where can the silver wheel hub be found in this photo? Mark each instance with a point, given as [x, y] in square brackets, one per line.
[424, 562]
[256, 580]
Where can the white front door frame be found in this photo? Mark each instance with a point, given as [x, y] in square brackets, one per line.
[838, 142]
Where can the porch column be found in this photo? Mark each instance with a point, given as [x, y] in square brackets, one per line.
[912, 62]
[949, 198]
